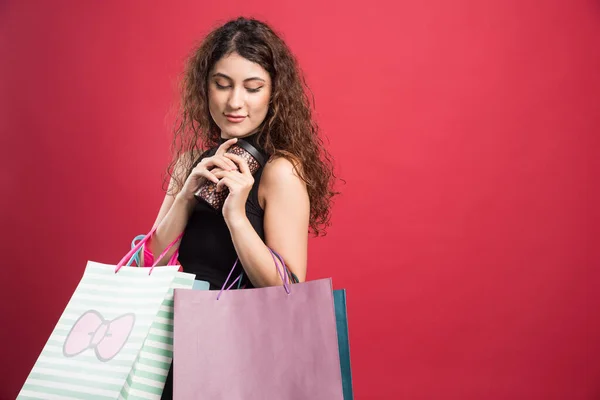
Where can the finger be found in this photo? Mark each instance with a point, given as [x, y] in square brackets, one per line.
[204, 173]
[220, 162]
[231, 164]
[225, 146]
[236, 181]
[220, 174]
[241, 163]
[224, 182]
[234, 176]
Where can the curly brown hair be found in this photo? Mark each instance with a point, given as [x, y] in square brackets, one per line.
[288, 129]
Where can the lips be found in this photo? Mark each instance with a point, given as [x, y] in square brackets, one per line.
[235, 118]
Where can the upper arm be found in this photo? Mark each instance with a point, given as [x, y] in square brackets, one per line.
[287, 214]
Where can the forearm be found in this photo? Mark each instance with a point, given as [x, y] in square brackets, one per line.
[171, 226]
[254, 254]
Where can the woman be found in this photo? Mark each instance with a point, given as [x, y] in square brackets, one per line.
[243, 82]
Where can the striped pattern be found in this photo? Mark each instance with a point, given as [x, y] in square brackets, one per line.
[83, 376]
[149, 373]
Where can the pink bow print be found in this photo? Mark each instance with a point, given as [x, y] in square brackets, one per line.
[92, 331]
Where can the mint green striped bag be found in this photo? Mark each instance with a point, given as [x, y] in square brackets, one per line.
[98, 339]
[148, 376]
[149, 373]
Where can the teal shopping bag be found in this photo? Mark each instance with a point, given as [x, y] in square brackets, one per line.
[341, 320]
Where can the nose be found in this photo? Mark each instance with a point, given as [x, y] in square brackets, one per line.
[236, 99]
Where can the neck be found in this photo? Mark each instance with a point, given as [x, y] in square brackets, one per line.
[248, 137]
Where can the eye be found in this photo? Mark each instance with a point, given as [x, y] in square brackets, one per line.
[221, 87]
[256, 90]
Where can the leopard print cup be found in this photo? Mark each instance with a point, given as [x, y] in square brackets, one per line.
[208, 191]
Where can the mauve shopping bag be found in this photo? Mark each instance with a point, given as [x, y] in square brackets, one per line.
[341, 319]
[269, 343]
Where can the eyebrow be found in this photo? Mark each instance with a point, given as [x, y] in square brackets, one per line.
[254, 78]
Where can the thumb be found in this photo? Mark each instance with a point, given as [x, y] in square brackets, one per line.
[225, 146]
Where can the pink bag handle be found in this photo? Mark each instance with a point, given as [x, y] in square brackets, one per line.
[138, 246]
[175, 256]
[148, 257]
[281, 264]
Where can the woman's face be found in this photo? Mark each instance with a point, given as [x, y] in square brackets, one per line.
[238, 95]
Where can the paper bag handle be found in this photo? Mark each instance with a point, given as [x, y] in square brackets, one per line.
[134, 250]
[276, 257]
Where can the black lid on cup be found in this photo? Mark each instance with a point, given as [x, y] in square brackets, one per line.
[258, 156]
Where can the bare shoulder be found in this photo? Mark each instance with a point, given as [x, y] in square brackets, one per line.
[280, 182]
[281, 171]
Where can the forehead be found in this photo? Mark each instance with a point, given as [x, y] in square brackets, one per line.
[239, 68]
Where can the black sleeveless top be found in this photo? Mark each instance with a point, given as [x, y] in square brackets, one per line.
[206, 248]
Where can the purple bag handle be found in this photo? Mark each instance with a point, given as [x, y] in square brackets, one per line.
[138, 246]
[279, 265]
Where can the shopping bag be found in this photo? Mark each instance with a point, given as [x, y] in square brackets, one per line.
[98, 338]
[341, 319]
[274, 342]
[198, 285]
[201, 285]
[149, 374]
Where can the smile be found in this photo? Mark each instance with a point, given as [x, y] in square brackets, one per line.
[235, 119]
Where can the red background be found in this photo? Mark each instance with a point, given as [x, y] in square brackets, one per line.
[467, 232]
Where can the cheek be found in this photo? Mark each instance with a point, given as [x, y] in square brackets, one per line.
[261, 103]
[217, 99]
[214, 107]
[214, 99]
